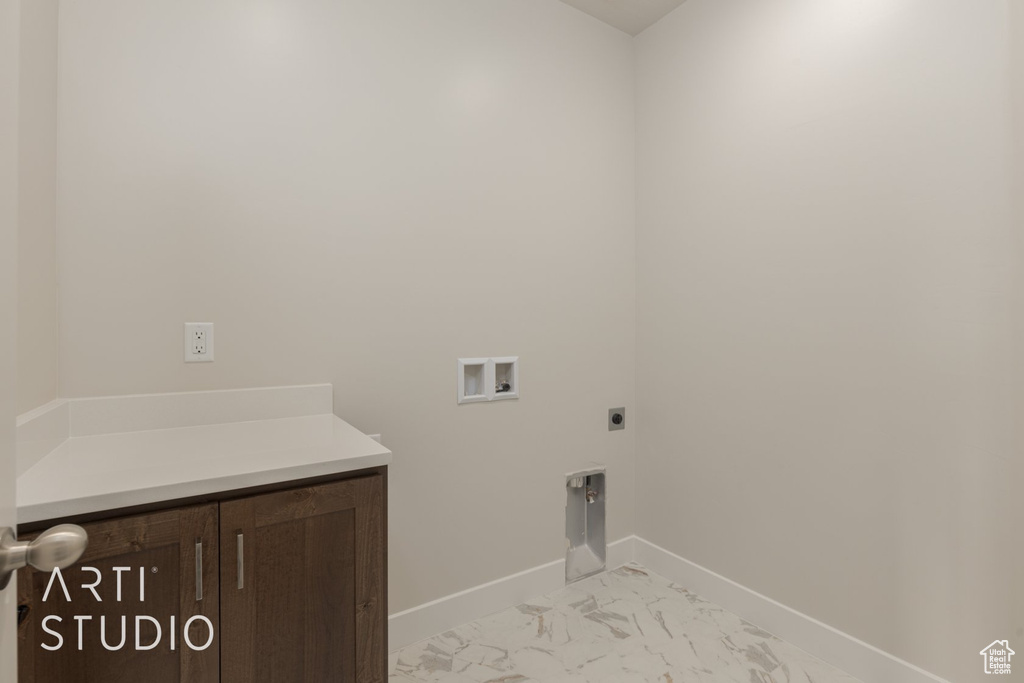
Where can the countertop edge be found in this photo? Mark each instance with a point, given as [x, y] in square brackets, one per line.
[41, 512]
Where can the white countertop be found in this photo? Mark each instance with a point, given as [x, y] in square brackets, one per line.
[108, 471]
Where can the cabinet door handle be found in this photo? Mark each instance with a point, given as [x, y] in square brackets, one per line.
[199, 570]
[241, 561]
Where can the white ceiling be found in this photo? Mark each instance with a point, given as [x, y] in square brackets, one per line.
[631, 16]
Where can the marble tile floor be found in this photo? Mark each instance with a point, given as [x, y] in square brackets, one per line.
[624, 626]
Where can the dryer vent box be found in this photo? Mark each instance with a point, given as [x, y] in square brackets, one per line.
[586, 548]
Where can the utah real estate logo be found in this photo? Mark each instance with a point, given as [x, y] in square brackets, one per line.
[997, 657]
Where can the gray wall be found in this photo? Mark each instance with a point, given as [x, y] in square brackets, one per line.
[37, 206]
[828, 287]
[361, 193]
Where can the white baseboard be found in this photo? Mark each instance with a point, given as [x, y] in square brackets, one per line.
[621, 552]
[855, 657]
[438, 616]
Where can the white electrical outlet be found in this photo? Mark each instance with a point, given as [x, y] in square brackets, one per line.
[198, 342]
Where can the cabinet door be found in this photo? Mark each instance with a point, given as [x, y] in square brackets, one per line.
[148, 566]
[302, 577]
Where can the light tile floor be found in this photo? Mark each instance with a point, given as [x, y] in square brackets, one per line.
[624, 626]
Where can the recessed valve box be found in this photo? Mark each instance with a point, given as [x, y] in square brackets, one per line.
[586, 548]
[487, 379]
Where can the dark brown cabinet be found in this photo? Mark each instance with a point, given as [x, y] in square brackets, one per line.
[302, 585]
[291, 583]
[138, 580]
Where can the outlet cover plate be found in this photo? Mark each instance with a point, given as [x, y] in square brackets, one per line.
[612, 412]
[198, 342]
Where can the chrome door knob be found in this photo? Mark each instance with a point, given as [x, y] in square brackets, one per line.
[56, 548]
